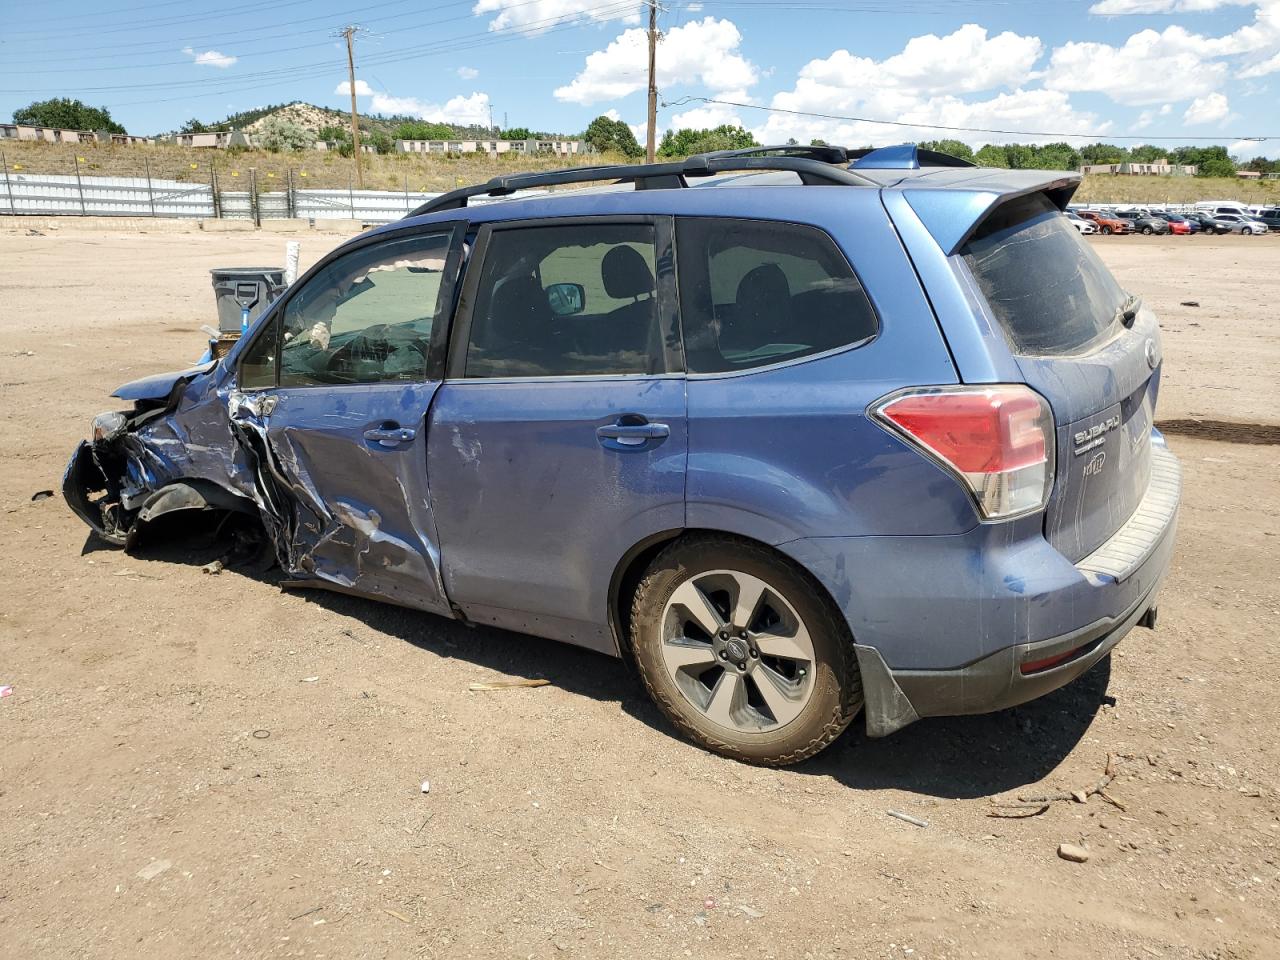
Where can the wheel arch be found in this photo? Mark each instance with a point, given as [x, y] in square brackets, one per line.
[630, 571]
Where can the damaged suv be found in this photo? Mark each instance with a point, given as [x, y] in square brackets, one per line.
[801, 432]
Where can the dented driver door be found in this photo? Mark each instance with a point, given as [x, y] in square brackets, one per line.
[351, 362]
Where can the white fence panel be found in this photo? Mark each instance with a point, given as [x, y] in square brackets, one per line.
[46, 194]
[367, 206]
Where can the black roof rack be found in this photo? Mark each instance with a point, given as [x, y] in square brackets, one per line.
[812, 168]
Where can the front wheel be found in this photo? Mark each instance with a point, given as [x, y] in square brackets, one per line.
[742, 652]
[1147, 231]
[1106, 231]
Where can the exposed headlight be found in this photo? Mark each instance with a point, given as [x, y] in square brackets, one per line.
[108, 426]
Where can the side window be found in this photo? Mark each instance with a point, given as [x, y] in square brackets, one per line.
[756, 292]
[567, 301]
[364, 318]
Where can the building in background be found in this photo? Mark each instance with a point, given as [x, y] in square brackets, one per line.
[1157, 168]
[213, 140]
[561, 148]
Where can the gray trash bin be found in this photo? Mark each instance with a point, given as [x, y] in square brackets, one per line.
[243, 293]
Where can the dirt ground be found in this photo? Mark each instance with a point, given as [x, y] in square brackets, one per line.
[201, 765]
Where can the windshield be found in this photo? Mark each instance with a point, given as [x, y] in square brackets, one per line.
[1044, 284]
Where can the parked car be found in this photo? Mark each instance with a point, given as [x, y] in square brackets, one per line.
[1179, 224]
[1210, 224]
[1143, 222]
[1271, 218]
[1106, 223]
[1243, 225]
[759, 439]
[1083, 227]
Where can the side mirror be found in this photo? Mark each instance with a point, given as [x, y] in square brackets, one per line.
[566, 299]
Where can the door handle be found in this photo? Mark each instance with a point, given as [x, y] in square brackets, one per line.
[637, 431]
[631, 431]
[389, 435]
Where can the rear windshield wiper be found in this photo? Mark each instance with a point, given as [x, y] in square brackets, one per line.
[1128, 310]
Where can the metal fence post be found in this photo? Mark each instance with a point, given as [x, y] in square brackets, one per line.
[8, 187]
[75, 164]
[253, 197]
[290, 203]
[213, 190]
[406, 193]
[351, 199]
[151, 195]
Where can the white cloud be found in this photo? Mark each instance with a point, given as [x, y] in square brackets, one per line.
[460, 110]
[468, 73]
[538, 15]
[1207, 109]
[702, 51]
[1150, 67]
[210, 58]
[1148, 117]
[344, 89]
[1261, 68]
[1120, 8]
[925, 83]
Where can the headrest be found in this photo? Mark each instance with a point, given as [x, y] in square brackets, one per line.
[766, 284]
[625, 273]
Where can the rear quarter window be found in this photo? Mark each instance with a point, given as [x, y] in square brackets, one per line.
[1042, 281]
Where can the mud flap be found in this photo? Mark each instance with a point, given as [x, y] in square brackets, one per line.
[887, 708]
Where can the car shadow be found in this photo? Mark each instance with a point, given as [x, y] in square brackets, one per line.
[945, 758]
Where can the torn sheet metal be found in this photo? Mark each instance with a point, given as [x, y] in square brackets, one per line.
[338, 513]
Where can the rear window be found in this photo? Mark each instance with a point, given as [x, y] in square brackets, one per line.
[1043, 282]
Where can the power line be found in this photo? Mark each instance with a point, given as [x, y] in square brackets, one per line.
[449, 45]
[938, 126]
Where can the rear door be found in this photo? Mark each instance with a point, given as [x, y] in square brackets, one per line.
[558, 440]
[334, 393]
[1059, 308]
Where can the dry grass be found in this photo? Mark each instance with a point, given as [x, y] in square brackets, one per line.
[314, 168]
[1108, 188]
[400, 171]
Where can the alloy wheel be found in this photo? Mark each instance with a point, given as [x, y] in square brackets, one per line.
[738, 651]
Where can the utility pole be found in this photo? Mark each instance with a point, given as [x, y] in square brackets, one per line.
[349, 32]
[650, 133]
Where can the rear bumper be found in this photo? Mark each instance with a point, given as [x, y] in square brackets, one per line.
[994, 617]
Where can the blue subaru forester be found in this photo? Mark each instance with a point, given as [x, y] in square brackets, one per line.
[799, 431]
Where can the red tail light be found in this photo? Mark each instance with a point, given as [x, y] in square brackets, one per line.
[997, 440]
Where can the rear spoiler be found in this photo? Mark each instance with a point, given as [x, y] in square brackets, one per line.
[952, 209]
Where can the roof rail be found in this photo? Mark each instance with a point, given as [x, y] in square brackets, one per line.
[902, 156]
[651, 176]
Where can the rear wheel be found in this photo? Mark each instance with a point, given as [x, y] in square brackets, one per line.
[742, 652]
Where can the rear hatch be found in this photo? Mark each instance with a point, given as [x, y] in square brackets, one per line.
[1063, 315]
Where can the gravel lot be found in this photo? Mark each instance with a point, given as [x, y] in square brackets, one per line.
[171, 785]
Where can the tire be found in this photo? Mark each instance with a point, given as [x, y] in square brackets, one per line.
[772, 690]
[1147, 231]
[1106, 231]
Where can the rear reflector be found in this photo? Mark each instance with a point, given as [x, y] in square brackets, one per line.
[998, 440]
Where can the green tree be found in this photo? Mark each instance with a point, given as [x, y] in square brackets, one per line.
[686, 142]
[421, 130]
[1057, 156]
[818, 143]
[991, 155]
[381, 141]
[195, 126]
[66, 114]
[1149, 153]
[278, 134]
[606, 135]
[1216, 167]
[1103, 153]
[953, 148]
[518, 133]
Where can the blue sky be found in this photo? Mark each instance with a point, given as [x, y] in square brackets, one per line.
[1112, 68]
